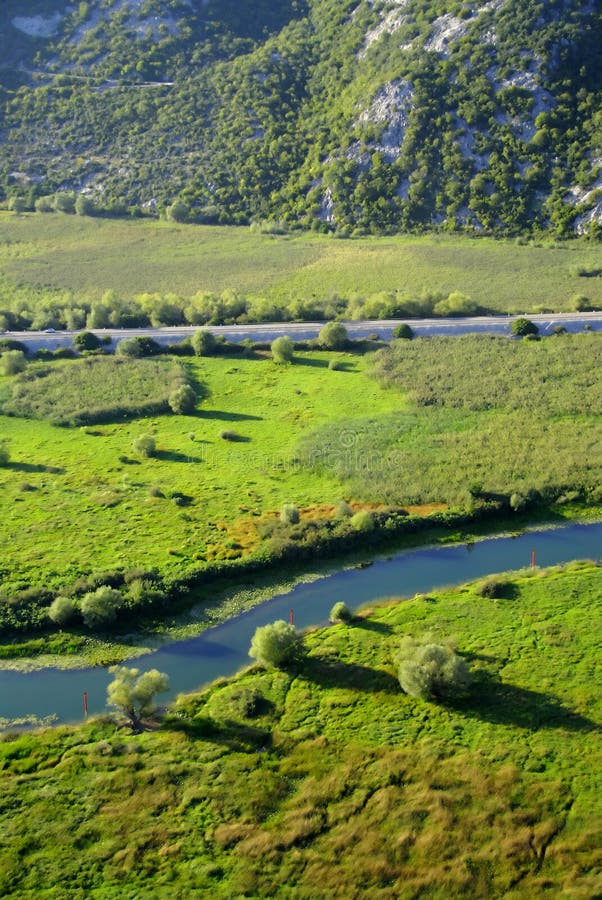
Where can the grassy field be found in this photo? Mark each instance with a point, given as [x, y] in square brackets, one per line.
[76, 500]
[327, 781]
[47, 255]
[480, 411]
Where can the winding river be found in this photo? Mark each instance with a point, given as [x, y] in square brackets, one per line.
[222, 650]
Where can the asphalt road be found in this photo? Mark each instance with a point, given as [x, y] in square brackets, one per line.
[546, 323]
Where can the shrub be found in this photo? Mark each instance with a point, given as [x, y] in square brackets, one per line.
[178, 211]
[275, 645]
[62, 610]
[12, 362]
[84, 206]
[229, 435]
[86, 340]
[183, 400]
[335, 365]
[517, 502]
[100, 607]
[137, 347]
[522, 327]
[289, 514]
[340, 612]
[403, 332]
[362, 520]
[17, 205]
[4, 454]
[64, 202]
[333, 336]
[144, 445]
[282, 349]
[493, 587]
[581, 303]
[203, 343]
[431, 671]
[342, 510]
[44, 204]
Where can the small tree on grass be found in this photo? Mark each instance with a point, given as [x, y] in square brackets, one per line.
[340, 612]
[144, 445]
[4, 453]
[333, 336]
[403, 332]
[86, 340]
[100, 607]
[282, 349]
[183, 400]
[431, 671]
[133, 693]
[203, 343]
[275, 645]
[522, 327]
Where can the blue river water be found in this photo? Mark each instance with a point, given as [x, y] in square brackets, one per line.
[223, 650]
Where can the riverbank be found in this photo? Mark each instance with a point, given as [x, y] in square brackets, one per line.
[223, 599]
[327, 776]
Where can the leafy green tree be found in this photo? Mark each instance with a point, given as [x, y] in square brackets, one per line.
[363, 520]
[100, 607]
[333, 336]
[282, 349]
[431, 671]
[84, 206]
[133, 693]
[62, 610]
[64, 202]
[403, 332]
[178, 211]
[44, 204]
[144, 445]
[17, 205]
[340, 612]
[522, 327]
[12, 362]
[203, 343]
[86, 340]
[275, 645]
[183, 400]
[137, 347]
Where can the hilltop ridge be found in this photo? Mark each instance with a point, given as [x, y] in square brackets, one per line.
[356, 116]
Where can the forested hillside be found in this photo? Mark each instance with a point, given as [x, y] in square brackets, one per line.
[350, 115]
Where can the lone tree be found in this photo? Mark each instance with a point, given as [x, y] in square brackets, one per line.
[4, 453]
[100, 607]
[340, 612]
[522, 327]
[403, 332]
[203, 343]
[333, 336]
[282, 349]
[133, 693]
[144, 445]
[275, 645]
[182, 401]
[86, 340]
[431, 671]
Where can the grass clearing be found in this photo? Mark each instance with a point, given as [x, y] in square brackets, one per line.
[127, 509]
[328, 781]
[94, 390]
[483, 412]
[48, 256]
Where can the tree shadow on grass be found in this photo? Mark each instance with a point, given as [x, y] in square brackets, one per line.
[314, 363]
[223, 416]
[331, 673]
[506, 704]
[174, 456]
[234, 735]
[31, 467]
[371, 625]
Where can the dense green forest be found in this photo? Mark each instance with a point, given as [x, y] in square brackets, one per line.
[350, 116]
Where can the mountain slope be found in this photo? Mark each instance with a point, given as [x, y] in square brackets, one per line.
[354, 115]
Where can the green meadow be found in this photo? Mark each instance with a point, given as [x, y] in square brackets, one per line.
[325, 780]
[45, 257]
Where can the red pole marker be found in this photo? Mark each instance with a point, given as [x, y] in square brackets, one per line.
[292, 617]
[86, 703]
[532, 559]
